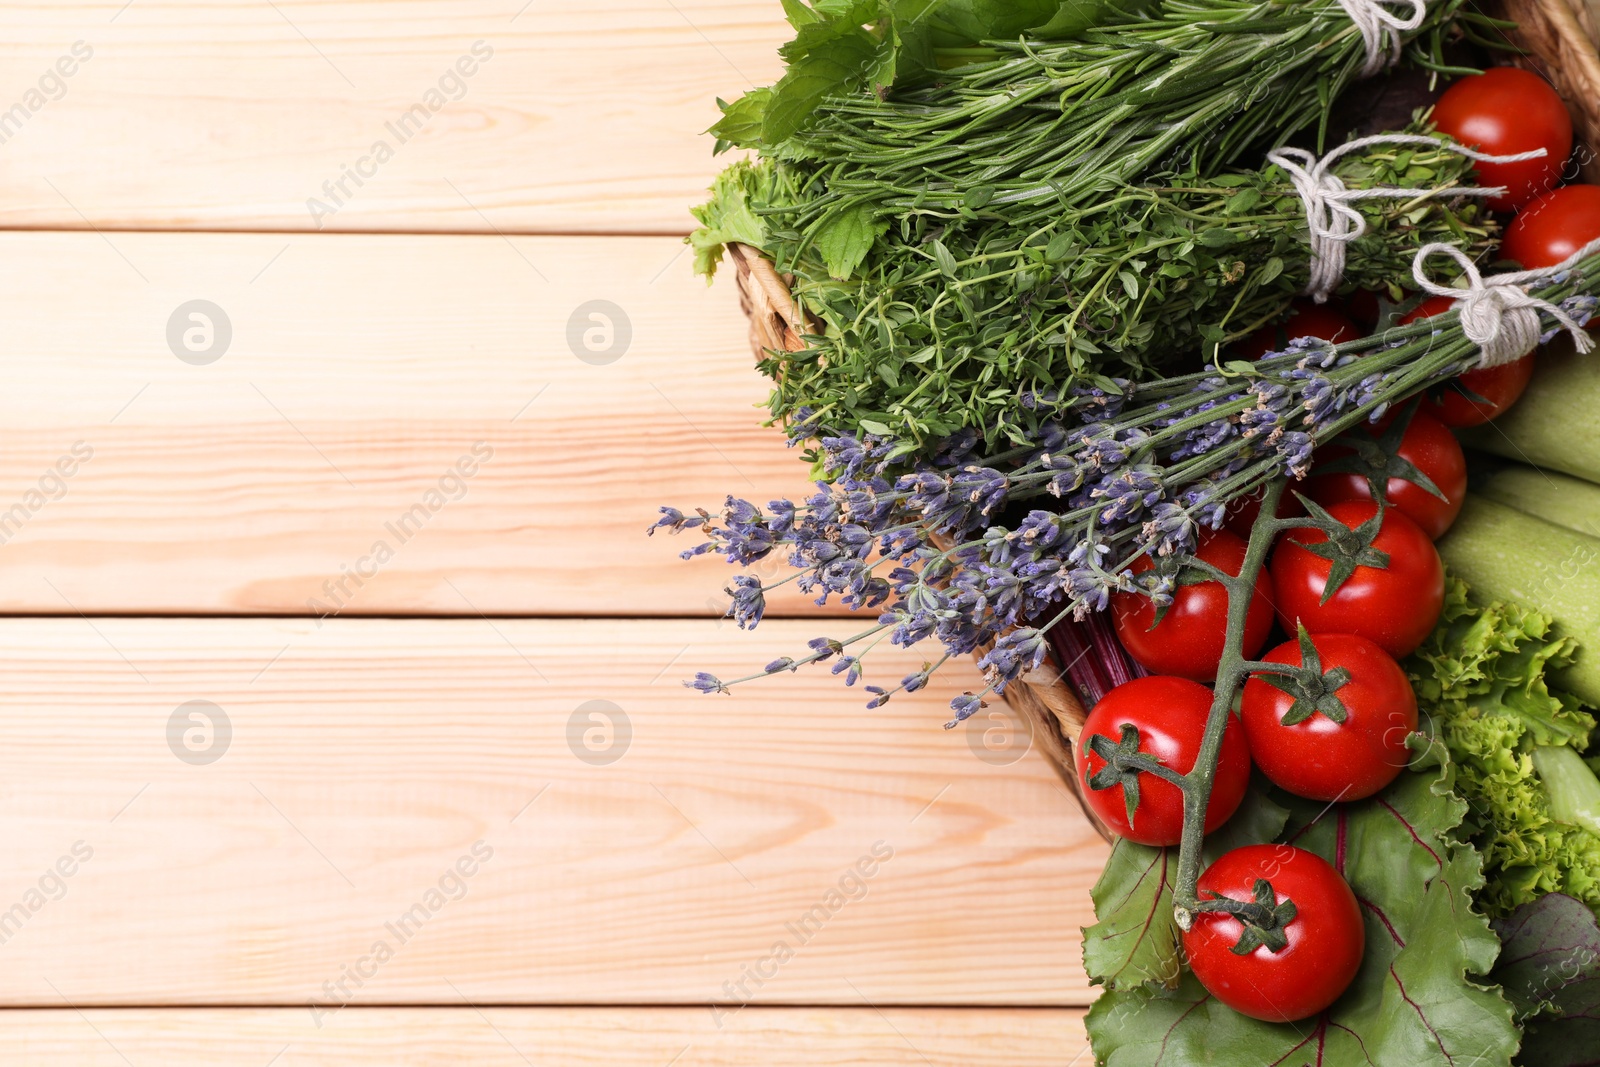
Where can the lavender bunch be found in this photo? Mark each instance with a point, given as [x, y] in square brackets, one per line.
[1141, 470]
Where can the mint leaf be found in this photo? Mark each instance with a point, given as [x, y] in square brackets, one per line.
[799, 15]
[847, 238]
[741, 120]
[1414, 1002]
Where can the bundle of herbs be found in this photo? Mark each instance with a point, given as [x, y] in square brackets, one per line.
[994, 324]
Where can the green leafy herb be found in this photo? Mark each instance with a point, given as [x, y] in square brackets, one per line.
[1131, 284]
[846, 46]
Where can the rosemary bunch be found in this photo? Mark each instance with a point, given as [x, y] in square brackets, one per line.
[1140, 472]
[1191, 85]
[940, 329]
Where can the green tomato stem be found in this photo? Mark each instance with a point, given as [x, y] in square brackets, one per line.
[1231, 673]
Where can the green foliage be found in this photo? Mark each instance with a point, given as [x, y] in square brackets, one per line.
[1550, 969]
[1481, 679]
[1416, 1000]
[1134, 941]
[939, 328]
[846, 46]
[729, 216]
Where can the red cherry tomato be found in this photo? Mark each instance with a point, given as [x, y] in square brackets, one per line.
[1395, 607]
[1170, 714]
[1243, 511]
[1553, 227]
[1478, 395]
[1504, 111]
[1317, 757]
[1430, 447]
[1307, 320]
[1326, 938]
[1188, 640]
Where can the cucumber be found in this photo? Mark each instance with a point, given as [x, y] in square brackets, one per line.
[1547, 495]
[1504, 554]
[1556, 424]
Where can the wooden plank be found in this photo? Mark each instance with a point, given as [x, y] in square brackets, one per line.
[193, 115]
[361, 370]
[575, 1037]
[781, 846]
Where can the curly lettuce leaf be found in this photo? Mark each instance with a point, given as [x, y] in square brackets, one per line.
[729, 216]
[1480, 678]
[1415, 1001]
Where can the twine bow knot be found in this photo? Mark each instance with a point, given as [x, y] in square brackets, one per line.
[1331, 220]
[1498, 314]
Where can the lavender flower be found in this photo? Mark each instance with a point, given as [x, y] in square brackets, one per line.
[915, 540]
[706, 683]
[965, 706]
[749, 602]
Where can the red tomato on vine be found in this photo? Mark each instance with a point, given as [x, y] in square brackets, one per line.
[1169, 715]
[1553, 227]
[1506, 111]
[1338, 732]
[1188, 639]
[1478, 395]
[1296, 970]
[1419, 463]
[1390, 582]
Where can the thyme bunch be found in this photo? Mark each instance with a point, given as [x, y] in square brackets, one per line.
[943, 327]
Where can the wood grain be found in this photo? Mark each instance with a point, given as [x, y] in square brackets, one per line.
[361, 370]
[193, 115]
[367, 757]
[596, 1037]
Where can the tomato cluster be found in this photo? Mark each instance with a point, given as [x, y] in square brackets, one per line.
[1355, 584]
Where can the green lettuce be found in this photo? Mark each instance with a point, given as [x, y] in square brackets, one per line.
[728, 216]
[1480, 678]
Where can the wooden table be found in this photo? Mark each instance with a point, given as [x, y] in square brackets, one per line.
[341, 708]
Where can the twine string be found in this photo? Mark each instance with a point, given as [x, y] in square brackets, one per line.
[1380, 29]
[1498, 314]
[1331, 219]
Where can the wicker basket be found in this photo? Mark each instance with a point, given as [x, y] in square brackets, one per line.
[1561, 41]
